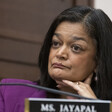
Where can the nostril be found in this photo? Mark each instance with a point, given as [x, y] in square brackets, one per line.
[62, 53]
[62, 56]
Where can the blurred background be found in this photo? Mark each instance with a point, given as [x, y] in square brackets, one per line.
[23, 25]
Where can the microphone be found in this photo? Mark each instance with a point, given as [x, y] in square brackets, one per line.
[46, 89]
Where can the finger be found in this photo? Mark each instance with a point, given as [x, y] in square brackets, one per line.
[88, 79]
[81, 88]
[60, 84]
[73, 85]
[86, 90]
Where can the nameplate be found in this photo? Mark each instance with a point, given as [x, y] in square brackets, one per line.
[66, 105]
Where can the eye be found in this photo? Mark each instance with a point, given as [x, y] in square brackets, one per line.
[55, 44]
[76, 48]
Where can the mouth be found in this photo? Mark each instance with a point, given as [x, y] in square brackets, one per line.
[59, 65]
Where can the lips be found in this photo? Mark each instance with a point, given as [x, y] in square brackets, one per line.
[59, 65]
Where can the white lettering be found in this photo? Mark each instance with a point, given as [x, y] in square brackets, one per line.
[83, 107]
[88, 109]
[93, 109]
[77, 109]
[71, 108]
[64, 108]
[47, 107]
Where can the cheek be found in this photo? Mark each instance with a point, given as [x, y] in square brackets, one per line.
[83, 67]
[49, 63]
[51, 56]
[75, 61]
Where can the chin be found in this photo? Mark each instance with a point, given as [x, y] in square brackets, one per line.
[56, 77]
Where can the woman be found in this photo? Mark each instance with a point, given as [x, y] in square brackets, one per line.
[76, 57]
[78, 53]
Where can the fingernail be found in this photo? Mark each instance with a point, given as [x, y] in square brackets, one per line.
[64, 80]
[58, 86]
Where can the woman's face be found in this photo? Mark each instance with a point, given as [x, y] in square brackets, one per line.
[72, 54]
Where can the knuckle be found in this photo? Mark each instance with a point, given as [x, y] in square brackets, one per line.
[87, 85]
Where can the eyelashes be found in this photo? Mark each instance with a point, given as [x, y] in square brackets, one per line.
[74, 47]
[55, 44]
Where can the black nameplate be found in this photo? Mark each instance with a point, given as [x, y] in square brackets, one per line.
[66, 105]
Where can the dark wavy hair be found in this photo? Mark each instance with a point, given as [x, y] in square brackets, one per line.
[98, 26]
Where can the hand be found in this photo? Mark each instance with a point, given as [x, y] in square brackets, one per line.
[82, 88]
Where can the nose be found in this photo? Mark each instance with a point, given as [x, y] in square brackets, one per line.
[62, 53]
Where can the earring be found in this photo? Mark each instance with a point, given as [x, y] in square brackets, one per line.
[95, 76]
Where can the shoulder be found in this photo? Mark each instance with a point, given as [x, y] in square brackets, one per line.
[16, 81]
[7, 89]
[13, 96]
[23, 90]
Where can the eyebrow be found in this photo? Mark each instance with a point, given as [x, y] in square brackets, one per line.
[57, 34]
[79, 38]
[74, 37]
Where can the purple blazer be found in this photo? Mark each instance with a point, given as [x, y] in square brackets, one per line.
[12, 97]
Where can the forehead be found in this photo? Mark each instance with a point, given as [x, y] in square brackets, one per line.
[70, 28]
[77, 31]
